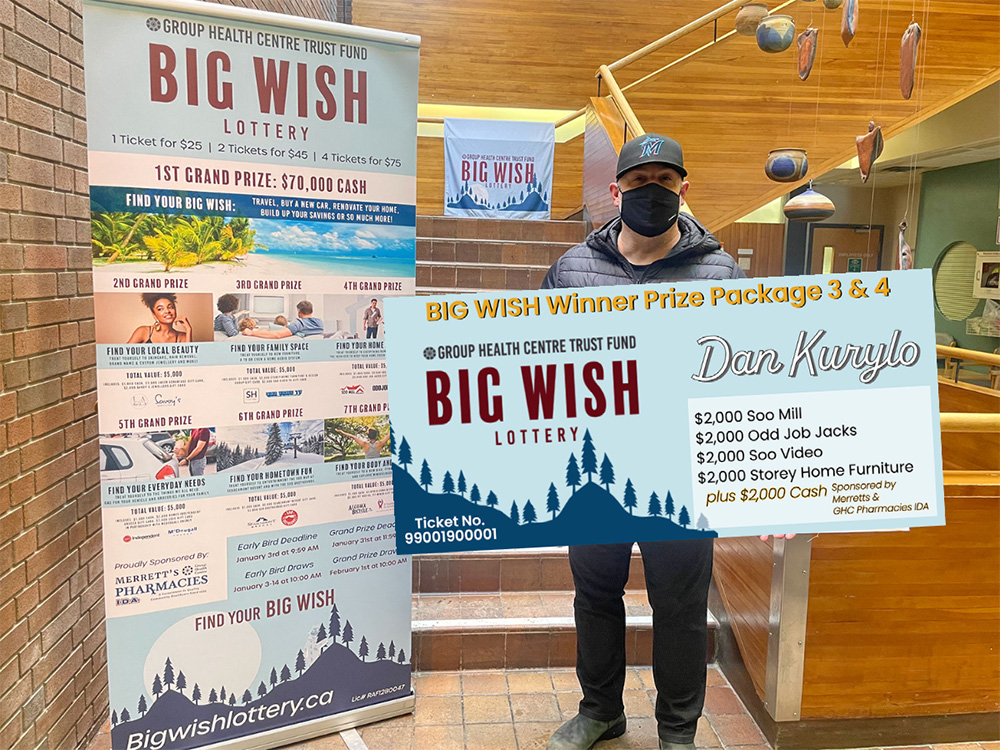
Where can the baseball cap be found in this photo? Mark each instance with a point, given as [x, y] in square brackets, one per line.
[651, 148]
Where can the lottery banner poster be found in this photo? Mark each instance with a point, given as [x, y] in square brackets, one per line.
[632, 413]
[253, 208]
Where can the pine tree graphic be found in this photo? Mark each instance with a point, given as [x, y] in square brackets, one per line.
[552, 501]
[275, 448]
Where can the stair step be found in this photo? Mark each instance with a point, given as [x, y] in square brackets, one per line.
[515, 631]
[490, 251]
[448, 227]
[478, 278]
[505, 571]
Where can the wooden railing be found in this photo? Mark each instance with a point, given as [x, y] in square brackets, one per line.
[953, 423]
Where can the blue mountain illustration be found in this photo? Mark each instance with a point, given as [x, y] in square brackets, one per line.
[533, 199]
[465, 200]
[338, 670]
[592, 515]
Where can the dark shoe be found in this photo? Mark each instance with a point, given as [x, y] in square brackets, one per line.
[676, 745]
[582, 733]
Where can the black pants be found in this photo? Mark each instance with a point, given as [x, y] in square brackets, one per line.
[677, 579]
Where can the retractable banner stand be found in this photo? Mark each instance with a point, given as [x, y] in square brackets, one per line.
[495, 169]
[253, 196]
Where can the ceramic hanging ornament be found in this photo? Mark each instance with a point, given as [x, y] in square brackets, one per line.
[849, 22]
[775, 33]
[809, 206]
[786, 165]
[749, 17]
[905, 253]
[807, 52]
[869, 149]
[908, 58]
[832, 4]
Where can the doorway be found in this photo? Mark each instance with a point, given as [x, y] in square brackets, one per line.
[844, 248]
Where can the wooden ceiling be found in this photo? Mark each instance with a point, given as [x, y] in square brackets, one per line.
[728, 105]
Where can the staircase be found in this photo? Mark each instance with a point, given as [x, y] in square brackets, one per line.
[512, 609]
[474, 255]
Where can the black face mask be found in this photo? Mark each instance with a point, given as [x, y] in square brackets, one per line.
[650, 210]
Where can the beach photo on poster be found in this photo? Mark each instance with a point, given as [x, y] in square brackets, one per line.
[142, 241]
[152, 317]
[270, 445]
[155, 243]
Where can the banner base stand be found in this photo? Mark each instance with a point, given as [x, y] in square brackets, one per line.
[319, 727]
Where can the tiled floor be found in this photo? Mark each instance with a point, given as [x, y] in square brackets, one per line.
[519, 710]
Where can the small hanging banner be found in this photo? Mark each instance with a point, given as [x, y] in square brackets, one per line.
[496, 169]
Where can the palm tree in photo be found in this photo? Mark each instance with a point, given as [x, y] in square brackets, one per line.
[170, 250]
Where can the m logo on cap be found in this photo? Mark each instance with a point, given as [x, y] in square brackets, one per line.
[650, 147]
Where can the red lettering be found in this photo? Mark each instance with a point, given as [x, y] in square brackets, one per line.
[438, 405]
[466, 171]
[570, 390]
[539, 390]
[489, 376]
[326, 77]
[301, 78]
[220, 97]
[630, 386]
[529, 172]
[463, 396]
[592, 372]
[357, 95]
[162, 84]
[192, 76]
[501, 171]
[272, 85]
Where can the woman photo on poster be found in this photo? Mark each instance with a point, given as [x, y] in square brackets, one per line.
[372, 447]
[168, 327]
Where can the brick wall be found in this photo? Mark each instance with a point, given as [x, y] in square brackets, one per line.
[52, 654]
[53, 682]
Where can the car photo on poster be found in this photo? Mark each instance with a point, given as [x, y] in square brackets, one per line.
[151, 455]
[135, 458]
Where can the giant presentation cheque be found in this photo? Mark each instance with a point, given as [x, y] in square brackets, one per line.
[631, 413]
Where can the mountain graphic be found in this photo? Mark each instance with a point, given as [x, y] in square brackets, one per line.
[354, 683]
[468, 202]
[532, 202]
[592, 515]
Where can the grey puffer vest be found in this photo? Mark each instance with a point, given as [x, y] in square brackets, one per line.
[597, 262]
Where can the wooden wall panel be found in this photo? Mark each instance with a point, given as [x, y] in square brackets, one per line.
[566, 182]
[524, 53]
[767, 242]
[969, 450]
[742, 573]
[729, 105]
[906, 623]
